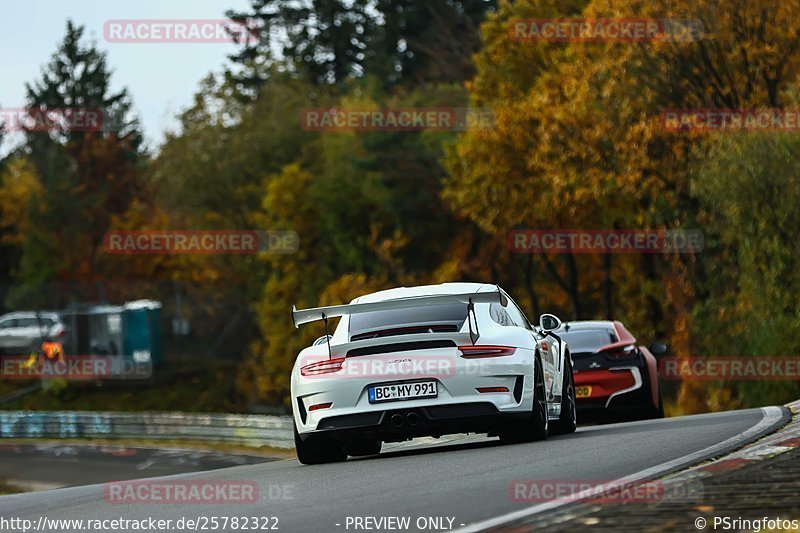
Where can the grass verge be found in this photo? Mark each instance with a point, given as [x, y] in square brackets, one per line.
[6, 489]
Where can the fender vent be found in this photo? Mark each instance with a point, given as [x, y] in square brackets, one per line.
[302, 410]
[518, 388]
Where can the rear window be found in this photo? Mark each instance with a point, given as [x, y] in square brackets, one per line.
[433, 315]
[588, 340]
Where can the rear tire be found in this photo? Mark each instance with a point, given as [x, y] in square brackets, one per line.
[535, 427]
[659, 410]
[318, 450]
[650, 411]
[568, 420]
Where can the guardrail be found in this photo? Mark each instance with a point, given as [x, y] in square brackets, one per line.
[246, 430]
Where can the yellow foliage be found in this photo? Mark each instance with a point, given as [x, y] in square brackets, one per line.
[19, 188]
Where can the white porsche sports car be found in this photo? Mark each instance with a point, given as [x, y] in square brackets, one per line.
[427, 361]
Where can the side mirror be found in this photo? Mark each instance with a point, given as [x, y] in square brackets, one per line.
[658, 348]
[549, 322]
[321, 340]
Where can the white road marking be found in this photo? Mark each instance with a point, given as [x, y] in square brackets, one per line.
[770, 416]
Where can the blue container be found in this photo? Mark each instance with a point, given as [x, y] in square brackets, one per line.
[141, 331]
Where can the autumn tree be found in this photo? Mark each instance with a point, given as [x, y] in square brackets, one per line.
[76, 178]
[749, 186]
[334, 41]
[579, 142]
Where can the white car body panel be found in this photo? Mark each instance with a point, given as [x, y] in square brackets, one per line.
[458, 378]
[41, 326]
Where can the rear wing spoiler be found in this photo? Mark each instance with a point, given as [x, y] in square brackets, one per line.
[304, 316]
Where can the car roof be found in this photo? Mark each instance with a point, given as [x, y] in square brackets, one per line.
[29, 314]
[425, 290]
[618, 327]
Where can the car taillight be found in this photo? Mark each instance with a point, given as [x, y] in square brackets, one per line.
[319, 406]
[322, 367]
[476, 352]
[621, 353]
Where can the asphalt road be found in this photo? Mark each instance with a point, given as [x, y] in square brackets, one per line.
[50, 466]
[463, 483]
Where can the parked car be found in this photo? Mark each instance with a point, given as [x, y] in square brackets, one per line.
[614, 378]
[22, 332]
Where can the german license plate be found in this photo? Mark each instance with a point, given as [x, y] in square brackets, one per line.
[402, 391]
[583, 392]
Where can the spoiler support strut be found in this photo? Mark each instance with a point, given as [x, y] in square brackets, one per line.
[470, 317]
[327, 336]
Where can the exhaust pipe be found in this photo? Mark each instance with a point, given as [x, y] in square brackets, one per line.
[412, 418]
[396, 420]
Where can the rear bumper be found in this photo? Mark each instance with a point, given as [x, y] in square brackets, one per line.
[633, 406]
[620, 390]
[317, 401]
[399, 424]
